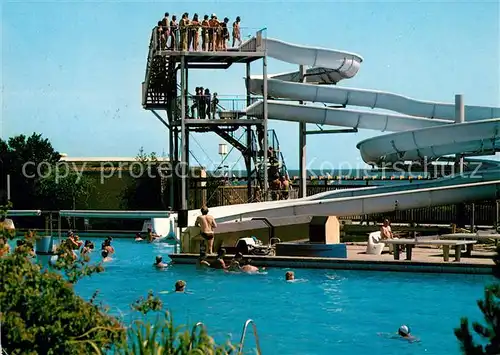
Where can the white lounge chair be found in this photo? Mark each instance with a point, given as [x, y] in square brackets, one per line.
[375, 246]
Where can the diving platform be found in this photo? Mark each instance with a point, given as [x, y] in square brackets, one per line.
[211, 59]
[191, 122]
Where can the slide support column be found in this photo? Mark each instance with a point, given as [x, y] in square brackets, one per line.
[302, 146]
[459, 118]
[171, 182]
[265, 112]
[183, 134]
[250, 152]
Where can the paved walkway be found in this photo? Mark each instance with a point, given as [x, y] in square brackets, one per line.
[482, 254]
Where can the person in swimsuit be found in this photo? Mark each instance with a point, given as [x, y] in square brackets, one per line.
[285, 188]
[289, 276]
[183, 26]
[193, 33]
[236, 31]
[174, 27]
[202, 262]
[207, 224]
[204, 33]
[159, 264]
[212, 33]
[219, 262]
[224, 35]
[404, 332]
[180, 286]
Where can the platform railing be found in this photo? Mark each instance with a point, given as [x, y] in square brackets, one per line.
[251, 39]
[243, 335]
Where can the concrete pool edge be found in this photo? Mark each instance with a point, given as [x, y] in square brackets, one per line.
[345, 264]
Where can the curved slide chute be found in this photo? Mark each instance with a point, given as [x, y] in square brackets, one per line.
[431, 137]
[280, 87]
[427, 129]
[432, 143]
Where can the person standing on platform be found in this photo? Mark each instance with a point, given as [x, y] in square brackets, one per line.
[194, 26]
[207, 226]
[202, 104]
[205, 26]
[165, 24]
[215, 104]
[183, 25]
[174, 28]
[236, 32]
[208, 100]
[285, 187]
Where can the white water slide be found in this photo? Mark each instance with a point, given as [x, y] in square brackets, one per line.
[420, 117]
[421, 129]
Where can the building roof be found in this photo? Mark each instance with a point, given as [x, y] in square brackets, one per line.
[104, 159]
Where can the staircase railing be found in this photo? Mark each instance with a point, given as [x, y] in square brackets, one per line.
[244, 333]
[149, 62]
[275, 144]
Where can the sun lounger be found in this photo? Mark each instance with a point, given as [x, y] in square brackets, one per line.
[446, 244]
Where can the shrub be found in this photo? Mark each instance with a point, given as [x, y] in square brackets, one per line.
[490, 332]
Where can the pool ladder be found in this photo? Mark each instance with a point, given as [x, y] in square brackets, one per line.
[255, 334]
[243, 335]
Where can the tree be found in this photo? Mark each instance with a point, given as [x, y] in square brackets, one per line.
[490, 332]
[147, 191]
[63, 187]
[26, 159]
[41, 314]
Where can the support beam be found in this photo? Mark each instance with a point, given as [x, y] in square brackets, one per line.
[459, 118]
[265, 143]
[183, 135]
[209, 65]
[171, 182]
[327, 131]
[302, 145]
[160, 119]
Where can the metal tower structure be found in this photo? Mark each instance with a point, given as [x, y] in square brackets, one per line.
[165, 91]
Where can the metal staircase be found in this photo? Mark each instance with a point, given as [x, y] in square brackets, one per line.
[161, 91]
[159, 88]
[276, 165]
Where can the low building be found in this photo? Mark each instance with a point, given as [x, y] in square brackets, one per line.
[114, 176]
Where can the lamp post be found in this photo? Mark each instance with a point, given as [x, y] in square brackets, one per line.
[222, 153]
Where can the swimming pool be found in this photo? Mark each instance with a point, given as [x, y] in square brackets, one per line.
[325, 312]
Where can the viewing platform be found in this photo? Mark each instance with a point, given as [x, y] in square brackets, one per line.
[212, 60]
[191, 122]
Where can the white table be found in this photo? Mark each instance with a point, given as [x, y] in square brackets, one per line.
[411, 243]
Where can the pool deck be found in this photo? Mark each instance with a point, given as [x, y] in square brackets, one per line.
[428, 260]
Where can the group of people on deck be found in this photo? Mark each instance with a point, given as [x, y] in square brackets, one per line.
[196, 34]
[204, 104]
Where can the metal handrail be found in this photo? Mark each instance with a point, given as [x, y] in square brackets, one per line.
[195, 327]
[243, 334]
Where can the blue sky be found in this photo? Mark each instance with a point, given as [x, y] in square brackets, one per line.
[73, 70]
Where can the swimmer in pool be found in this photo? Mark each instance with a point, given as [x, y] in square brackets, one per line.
[180, 286]
[138, 237]
[159, 263]
[404, 332]
[219, 262]
[202, 262]
[105, 256]
[289, 276]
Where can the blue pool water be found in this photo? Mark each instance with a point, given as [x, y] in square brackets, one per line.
[325, 312]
